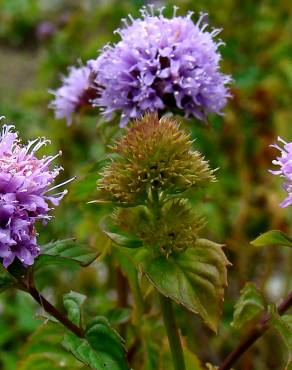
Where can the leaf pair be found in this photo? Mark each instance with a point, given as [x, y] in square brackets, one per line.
[101, 348]
[44, 352]
[195, 278]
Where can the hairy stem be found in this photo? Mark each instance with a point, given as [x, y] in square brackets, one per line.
[253, 335]
[172, 333]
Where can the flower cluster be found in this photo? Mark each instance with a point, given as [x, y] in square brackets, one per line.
[76, 92]
[161, 64]
[285, 163]
[25, 182]
[165, 235]
[153, 155]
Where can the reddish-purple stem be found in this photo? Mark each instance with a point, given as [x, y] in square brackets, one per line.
[253, 335]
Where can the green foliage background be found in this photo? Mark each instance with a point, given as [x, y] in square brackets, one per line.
[241, 205]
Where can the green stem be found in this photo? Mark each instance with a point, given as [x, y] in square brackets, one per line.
[154, 205]
[138, 299]
[172, 333]
[166, 304]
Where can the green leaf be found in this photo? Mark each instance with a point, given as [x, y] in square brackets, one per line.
[47, 361]
[152, 351]
[85, 188]
[129, 266]
[129, 259]
[105, 339]
[272, 237]
[211, 367]
[119, 237]
[101, 349]
[119, 316]
[249, 305]
[123, 240]
[6, 280]
[195, 278]
[283, 324]
[44, 352]
[73, 302]
[191, 360]
[64, 252]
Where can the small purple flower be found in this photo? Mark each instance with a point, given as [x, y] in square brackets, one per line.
[285, 163]
[25, 184]
[161, 64]
[45, 30]
[77, 91]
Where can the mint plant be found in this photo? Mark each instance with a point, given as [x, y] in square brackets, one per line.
[150, 183]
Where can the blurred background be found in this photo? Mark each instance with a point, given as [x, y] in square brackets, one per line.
[39, 39]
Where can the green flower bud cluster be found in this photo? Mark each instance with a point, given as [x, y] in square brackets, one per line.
[166, 233]
[152, 155]
[154, 164]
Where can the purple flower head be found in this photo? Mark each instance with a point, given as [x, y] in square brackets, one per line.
[77, 91]
[285, 163]
[160, 64]
[25, 185]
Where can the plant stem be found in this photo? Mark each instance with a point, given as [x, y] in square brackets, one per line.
[138, 299]
[27, 285]
[122, 290]
[166, 304]
[50, 309]
[172, 333]
[155, 204]
[253, 335]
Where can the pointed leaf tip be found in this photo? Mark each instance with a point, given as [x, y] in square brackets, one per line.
[274, 238]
